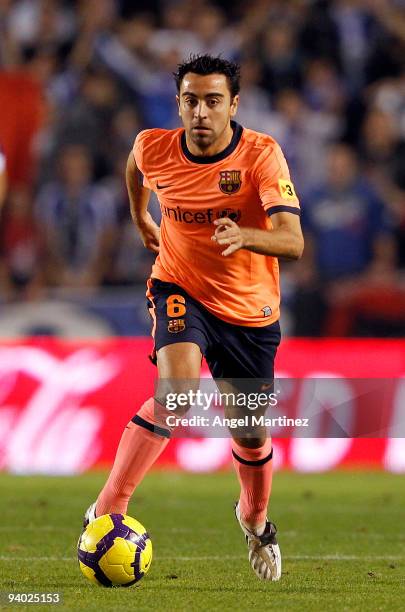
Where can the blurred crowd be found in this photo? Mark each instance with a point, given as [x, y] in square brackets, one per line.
[79, 79]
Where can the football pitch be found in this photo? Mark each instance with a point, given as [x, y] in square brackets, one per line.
[341, 534]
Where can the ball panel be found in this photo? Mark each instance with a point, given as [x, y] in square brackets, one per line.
[119, 573]
[146, 557]
[122, 549]
[95, 532]
[95, 576]
[88, 572]
[133, 524]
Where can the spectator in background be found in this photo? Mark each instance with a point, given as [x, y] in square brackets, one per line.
[124, 127]
[51, 23]
[21, 252]
[387, 46]
[382, 150]
[128, 55]
[254, 108]
[323, 89]
[281, 60]
[130, 262]
[382, 153]
[305, 136]
[214, 35]
[354, 28]
[77, 221]
[345, 218]
[388, 96]
[319, 37]
[89, 120]
[347, 235]
[175, 35]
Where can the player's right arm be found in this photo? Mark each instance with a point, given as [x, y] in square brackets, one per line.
[139, 199]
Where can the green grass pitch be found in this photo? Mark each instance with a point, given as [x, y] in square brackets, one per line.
[342, 537]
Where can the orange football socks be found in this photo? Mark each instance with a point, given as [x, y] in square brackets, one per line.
[254, 467]
[142, 441]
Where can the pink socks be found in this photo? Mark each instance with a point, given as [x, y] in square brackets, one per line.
[254, 467]
[142, 441]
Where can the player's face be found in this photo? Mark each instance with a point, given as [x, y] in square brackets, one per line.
[206, 107]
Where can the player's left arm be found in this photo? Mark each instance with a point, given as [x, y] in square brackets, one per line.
[285, 239]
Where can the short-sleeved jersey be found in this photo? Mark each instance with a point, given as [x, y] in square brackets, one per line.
[247, 182]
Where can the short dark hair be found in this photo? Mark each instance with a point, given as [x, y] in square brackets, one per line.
[208, 64]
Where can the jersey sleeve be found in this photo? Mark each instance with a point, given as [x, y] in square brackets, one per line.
[139, 156]
[276, 190]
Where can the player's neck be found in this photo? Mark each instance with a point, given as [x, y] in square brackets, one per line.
[216, 147]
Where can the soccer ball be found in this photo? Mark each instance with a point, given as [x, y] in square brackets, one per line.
[114, 550]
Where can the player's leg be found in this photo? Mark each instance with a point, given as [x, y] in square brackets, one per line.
[247, 357]
[252, 456]
[147, 434]
[179, 343]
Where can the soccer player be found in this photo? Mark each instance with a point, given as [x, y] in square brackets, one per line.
[229, 210]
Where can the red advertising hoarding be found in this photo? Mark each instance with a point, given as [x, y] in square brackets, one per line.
[63, 405]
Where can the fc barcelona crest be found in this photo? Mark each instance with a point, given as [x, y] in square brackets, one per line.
[230, 181]
[176, 325]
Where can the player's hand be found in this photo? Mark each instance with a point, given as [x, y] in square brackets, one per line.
[227, 232]
[149, 232]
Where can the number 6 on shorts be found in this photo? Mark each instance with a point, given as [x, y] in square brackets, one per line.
[176, 306]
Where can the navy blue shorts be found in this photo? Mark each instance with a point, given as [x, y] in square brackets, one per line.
[231, 351]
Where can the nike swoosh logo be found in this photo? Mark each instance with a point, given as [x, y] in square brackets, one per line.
[265, 387]
[163, 186]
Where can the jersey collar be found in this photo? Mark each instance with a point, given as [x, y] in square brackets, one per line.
[211, 159]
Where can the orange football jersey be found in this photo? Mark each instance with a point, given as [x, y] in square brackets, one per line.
[248, 182]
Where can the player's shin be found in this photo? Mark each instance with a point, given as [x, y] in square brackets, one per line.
[142, 441]
[254, 468]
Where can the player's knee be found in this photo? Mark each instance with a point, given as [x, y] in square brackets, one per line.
[176, 396]
[173, 403]
[254, 442]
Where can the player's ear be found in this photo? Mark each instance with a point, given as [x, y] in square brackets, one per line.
[178, 104]
[234, 105]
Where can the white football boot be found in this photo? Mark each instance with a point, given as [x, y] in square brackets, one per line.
[89, 515]
[264, 552]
